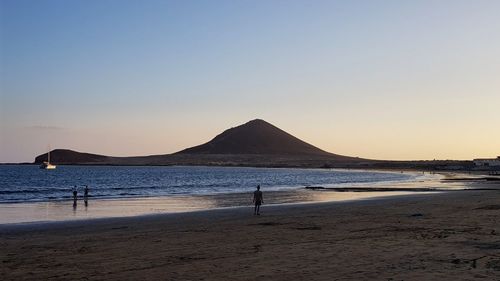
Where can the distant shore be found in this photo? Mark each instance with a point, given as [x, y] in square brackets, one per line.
[439, 166]
[444, 236]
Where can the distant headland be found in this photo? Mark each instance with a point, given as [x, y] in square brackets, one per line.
[256, 143]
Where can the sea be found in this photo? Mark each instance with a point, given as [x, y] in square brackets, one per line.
[28, 183]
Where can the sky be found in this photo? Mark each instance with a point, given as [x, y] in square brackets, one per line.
[401, 80]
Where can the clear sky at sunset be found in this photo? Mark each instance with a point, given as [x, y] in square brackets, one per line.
[374, 79]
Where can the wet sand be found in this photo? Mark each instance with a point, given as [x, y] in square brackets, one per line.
[127, 207]
[445, 236]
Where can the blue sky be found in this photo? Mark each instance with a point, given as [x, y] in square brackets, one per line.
[376, 79]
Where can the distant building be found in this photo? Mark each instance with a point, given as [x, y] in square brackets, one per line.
[487, 162]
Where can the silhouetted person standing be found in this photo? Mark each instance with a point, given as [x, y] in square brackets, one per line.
[86, 195]
[258, 200]
[75, 194]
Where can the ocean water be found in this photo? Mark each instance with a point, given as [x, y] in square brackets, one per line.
[28, 183]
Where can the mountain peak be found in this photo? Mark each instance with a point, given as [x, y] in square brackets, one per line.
[257, 121]
[255, 137]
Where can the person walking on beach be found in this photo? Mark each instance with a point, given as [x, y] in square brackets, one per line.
[86, 195]
[258, 200]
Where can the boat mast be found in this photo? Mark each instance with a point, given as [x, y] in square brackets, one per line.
[48, 156]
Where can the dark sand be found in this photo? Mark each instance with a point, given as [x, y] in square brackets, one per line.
[446, 236]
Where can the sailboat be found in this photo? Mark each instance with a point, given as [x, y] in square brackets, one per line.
[46, 164]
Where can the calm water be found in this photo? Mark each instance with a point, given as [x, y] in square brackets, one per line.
[29, 183]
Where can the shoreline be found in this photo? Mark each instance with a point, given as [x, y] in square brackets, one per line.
[280, 207]
[64, 210]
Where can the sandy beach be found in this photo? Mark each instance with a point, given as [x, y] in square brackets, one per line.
[445, 236]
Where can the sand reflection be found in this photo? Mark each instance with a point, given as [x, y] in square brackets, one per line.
[65, 210]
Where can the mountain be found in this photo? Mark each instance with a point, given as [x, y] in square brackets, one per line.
[66, 156]
[255, 137]
[255, 143]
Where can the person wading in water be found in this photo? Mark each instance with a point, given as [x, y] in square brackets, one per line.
[258, 200]
[86, 195]
[75, 196]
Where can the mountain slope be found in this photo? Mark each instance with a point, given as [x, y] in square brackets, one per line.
[255, 137]
[66, 156]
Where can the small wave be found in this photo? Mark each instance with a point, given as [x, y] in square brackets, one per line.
[26, 191]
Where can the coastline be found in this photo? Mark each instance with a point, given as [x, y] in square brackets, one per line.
[63, 210]
[221, 211]
[445, 236]
[19, 213]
